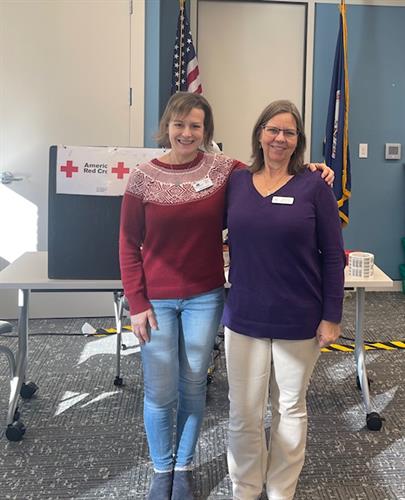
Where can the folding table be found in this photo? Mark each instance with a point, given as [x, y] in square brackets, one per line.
[29, 274]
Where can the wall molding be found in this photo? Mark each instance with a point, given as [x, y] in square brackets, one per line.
[137, 72]
[369, 3]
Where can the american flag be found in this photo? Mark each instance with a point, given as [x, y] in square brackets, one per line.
[186, 75]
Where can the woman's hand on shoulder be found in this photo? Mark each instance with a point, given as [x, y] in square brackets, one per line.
[328, 175]
[141, 323]
[327, 333]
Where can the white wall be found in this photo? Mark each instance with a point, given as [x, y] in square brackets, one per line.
[66, 70]
[254, 50]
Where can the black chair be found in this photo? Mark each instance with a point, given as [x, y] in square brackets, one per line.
[5, 327]
[16, 429]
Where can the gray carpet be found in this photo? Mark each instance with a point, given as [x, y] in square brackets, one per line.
[85, 438]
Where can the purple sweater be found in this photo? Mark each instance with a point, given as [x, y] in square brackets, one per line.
[287, 260]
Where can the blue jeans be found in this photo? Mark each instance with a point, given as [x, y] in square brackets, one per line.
[175, 364]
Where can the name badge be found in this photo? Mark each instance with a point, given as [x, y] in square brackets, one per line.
[283, 200]
[202, 184]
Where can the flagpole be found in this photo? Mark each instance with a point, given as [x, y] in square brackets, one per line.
[181, 2]
[347, 99]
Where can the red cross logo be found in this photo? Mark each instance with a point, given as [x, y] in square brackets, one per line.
[120, 170]
[69, 169]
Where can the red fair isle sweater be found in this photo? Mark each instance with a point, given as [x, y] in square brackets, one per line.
[171, 233]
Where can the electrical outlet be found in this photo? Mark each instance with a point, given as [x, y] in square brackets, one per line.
[363, 150]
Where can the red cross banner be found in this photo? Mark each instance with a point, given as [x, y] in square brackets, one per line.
[98, 171]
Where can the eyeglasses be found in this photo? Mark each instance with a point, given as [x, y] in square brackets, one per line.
[289, 133]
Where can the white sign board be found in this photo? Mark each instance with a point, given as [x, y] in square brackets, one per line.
[100, 171]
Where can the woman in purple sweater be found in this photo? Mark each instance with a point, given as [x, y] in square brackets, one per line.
[285, 302]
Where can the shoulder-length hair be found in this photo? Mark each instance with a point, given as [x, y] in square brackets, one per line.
[180, 105]
[275, 108]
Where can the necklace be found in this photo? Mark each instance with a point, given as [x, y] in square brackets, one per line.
[176, 175]
[266, 187]
[179, 175]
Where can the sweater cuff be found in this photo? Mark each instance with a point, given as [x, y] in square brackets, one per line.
[137, 303]
[332, 309]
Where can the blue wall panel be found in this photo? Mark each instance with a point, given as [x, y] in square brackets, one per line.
[376, 44]
[152, 71]
[161, 26]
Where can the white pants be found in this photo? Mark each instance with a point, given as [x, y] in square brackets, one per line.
[253, 365]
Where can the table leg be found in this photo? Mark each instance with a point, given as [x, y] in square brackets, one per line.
[373, 420]
[12, 368]
[118, 308]
[15, 428]
[360, 353]
[22, 353]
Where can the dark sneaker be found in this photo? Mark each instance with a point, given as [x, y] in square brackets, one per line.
[161, 486]
[183, 485]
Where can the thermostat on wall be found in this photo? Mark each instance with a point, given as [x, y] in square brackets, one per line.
[392, 151]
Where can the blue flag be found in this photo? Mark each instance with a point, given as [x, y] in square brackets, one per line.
[337, 126]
